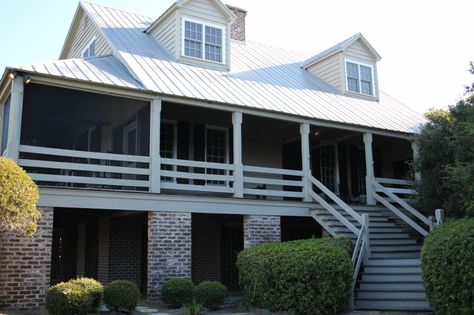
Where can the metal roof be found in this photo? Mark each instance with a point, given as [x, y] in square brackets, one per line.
[260, 77]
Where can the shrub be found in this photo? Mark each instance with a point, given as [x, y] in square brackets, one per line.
[177, 292]
[121, 295]
[93, 287]
[306, 277]
[18, 197]
[447, 260]
[210, 294]
[68, 298]
[192, 309]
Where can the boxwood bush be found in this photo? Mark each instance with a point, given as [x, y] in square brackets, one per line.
[121, 295]
[210, 294]
[305, 277]
[75, 297]
[177, 292]
[447, 259]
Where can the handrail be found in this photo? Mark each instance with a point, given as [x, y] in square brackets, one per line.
[361, 252]
[403, 204]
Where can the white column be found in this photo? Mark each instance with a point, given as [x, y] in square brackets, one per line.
[238, 166]
[14, 124]
[416, 154]
[155, 158]
[369, 166]
[305, 160]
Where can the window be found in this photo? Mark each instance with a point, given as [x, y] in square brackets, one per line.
[168, 146]
[359, 78]
[90, 50]
[328, 168]
[216, 151]
[203, 41]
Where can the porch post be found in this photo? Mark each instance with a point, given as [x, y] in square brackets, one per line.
[14, 119]
[369, 166]
[155, 159]
[238, 166]
[416, 154]
[305, 161]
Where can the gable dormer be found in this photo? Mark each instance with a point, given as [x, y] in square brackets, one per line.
[350, 67]
[196, 32]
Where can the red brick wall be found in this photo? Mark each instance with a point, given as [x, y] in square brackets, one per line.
[25, 266]
[261, 229]
[169, 249]
[237, 27]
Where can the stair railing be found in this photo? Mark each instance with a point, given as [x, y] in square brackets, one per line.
[390, 192]
[344, 206]
[360, 254]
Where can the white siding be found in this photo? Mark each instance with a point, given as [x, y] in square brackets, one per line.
[165, 33]
[85, 32]
[359, 52]
[331, 71]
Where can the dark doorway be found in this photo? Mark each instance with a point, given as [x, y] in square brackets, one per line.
[216, 241]
[297, 228]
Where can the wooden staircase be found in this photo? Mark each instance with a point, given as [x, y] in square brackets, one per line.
[390, 278]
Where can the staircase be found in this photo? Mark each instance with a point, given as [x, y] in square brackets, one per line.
[390, 278]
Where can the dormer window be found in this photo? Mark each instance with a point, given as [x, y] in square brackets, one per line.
[359, 78]
[203, 41]
[90, 50]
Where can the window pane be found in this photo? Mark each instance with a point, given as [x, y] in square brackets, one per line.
[192, 39]
[352, 70]
[353, 85]
[213, 47]
[366, 87]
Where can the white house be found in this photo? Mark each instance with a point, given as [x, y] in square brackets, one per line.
[163, 146]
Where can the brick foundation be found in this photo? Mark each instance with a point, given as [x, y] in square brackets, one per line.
[25, 266]
[169, 249]
[261, 229]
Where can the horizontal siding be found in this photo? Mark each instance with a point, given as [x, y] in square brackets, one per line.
[358, 52]
[86, 31]
[165, 34]
[330, 71]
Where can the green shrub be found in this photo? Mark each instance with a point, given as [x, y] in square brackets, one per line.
[210, 294]
[192, 309]
[68, 298]
[93, 287]
[121, 295]
[177, 292]
[447, 260]
[18, 197]
[306, 277]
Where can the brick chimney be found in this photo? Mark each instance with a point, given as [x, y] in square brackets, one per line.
[237, 28]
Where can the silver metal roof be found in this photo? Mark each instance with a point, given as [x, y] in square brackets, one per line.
[261, 77]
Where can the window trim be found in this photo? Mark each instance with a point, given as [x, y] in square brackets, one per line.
[88, 46]
[203, 39]
[372, 72]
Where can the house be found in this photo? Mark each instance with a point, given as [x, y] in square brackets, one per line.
[163, 146]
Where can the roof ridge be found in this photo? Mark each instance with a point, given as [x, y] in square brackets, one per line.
[116, 9]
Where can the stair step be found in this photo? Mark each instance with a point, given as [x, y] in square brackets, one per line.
[393, 262]
[407, 286]
[393, 305]
[407, 241]
[396, 255]
[389, 270]
[392, 278]
[388, 235]
[395, 248]
[391, 295]
[392, 229]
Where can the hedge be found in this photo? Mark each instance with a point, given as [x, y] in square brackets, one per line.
[176, 292]
[121, 295]
[447, 259]
[210, 294]
[306, 276]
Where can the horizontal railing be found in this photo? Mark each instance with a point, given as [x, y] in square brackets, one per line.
[73, 168]
[272, 182]
[394, 195]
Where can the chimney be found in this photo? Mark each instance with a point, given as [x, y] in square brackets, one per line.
[237, 28]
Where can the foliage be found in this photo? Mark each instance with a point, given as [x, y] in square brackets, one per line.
[447, 260]
[211, 294]
[18, 197]
[75, 297]
[446, 159]
[121, 295]
[306, 276]
[192, 309]
[177, 292]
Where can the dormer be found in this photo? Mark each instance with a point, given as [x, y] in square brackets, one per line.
[350, 67]
[196, 32]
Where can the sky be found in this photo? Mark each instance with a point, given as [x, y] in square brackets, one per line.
[426, 46]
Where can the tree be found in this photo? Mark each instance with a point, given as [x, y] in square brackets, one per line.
[446, 158]
[18, 198]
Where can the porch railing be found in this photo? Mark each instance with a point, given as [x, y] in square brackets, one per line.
[396, 193]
